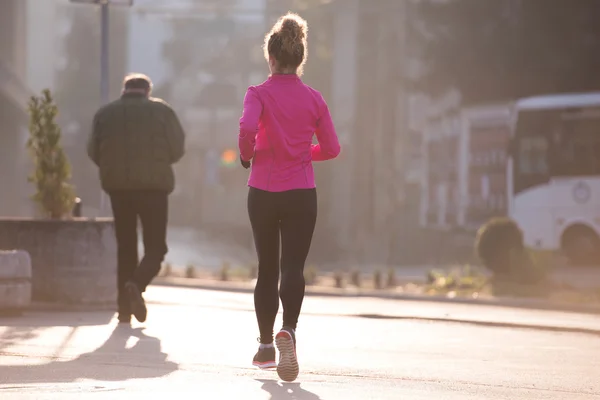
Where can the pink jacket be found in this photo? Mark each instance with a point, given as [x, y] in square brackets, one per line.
[277, 126]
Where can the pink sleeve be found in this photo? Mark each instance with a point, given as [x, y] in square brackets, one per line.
[329, 145]
[249, 124]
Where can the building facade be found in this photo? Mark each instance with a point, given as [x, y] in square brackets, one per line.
[14, 94]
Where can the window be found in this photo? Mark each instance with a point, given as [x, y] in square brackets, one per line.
[576, 148]
[533, 155]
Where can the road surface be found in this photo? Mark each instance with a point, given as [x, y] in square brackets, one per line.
[199, 344]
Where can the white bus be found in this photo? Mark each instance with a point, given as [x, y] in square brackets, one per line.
[553, 177]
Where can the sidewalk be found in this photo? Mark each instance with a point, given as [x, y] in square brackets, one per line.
[370, 307]
[248, 287]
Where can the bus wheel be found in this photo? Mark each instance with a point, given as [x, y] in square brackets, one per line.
[580, 244]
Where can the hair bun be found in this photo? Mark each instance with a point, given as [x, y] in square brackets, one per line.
[292, 28]
[287, 42]
[293, 32]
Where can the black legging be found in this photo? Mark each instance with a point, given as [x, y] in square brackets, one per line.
[293, 214]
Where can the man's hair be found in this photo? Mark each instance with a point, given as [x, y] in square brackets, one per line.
[137, 82]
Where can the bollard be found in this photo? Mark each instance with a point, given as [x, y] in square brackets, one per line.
[77, 208]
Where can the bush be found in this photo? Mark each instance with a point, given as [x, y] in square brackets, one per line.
[355, 278]
[462, 280]
[392, 282]
[54, 195]
[377, 280]
[225, 272]
[338, 277]
[190, 272]
[499, 245]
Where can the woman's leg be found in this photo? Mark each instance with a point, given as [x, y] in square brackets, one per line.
[265, 227]
[298, 218]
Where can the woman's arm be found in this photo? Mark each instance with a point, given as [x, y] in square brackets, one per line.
[249, 124]
[329, 145]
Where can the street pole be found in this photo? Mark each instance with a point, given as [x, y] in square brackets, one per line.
[104, 54]
[104, 71]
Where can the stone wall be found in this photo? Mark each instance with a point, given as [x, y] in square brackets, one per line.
[73, 261]
[15, 281]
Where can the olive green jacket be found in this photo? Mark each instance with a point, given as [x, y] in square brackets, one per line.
[135, 141]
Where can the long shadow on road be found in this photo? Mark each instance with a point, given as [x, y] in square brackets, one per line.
[22, 328]
[493, 324]
[286, 391]
[112, 361]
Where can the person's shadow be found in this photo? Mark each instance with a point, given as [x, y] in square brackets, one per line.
[286, 391]
[112, 361]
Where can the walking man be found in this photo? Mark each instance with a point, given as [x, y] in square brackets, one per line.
[135, 141]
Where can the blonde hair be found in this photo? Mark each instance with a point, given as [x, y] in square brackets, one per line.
[287, 42]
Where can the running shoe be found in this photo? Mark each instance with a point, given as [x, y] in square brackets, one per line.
[288, 368]
[265, 358]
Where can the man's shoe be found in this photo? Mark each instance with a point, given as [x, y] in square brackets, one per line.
[265, 358]
[138, 305]
[288, 368]
[124, 318]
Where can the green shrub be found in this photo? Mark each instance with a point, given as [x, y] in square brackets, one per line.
[462, 279]
[225, 272]
[338, 277]
[392, 282]
[355, 278]
[52, 170]
[377, 280]
[190, 272]
[499, 245]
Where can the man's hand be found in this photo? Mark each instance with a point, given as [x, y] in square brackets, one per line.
[245, 164]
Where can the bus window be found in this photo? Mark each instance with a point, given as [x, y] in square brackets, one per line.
[533, 155]
[530, 150]
[576, 148]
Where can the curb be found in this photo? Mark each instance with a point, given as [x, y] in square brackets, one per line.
[239, 287]
[58, 307]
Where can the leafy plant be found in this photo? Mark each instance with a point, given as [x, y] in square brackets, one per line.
[377, 280]
[355, 278]
[392, 282]
[338, 277]
[52, 170]
[190, 272]
[499, 245]
[225, 273]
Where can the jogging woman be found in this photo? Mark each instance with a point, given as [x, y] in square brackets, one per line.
[279, 120]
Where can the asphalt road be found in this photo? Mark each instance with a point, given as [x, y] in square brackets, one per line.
[199, 344]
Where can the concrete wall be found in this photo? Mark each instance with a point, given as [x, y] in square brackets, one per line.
[73, 262]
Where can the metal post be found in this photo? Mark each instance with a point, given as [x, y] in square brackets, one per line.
[104, 65]
[104, 70]
[104, 54]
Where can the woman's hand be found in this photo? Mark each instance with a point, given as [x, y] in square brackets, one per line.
[245, 164]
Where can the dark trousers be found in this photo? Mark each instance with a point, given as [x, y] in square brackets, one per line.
[152, 209]
[291, 215]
